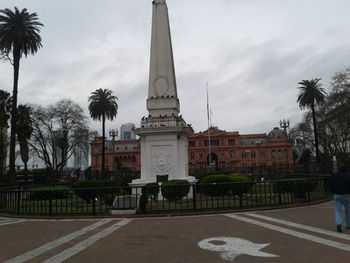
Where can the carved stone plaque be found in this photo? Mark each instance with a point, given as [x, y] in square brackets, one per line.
[161, 163]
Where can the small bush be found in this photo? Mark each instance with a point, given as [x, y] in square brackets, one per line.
[45, 193]
[216, 185]
[151, 190]
[297, 187]
[221, 184]
[242, 184]
[86, 194]
[127, 179]
[107, 190]
[175, 190]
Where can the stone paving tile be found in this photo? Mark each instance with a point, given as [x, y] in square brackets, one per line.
[16, 239]
[177, 239]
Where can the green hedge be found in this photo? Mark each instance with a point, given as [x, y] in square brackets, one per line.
[243, 184]
[45, 193]
[151, 190]
[86, 194]
[221, 184]
[148, 190]
[175, 190]
[297, 187]
[216, 185]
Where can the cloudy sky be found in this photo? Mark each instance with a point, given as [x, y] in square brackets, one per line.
[252, 53]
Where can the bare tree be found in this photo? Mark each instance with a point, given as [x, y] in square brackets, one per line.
[55, 133]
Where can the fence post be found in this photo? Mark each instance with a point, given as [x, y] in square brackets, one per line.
[94, 203]
[18, 201]
[240, 196]
[280, 196]
[50, 202]
[194, 199]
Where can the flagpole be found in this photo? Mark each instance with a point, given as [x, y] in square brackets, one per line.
[209, 124]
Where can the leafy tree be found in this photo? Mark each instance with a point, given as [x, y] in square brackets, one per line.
[19, 35]
[5, 108]
[103, 105]
[310, 95]
[56, 132]
[24, 131]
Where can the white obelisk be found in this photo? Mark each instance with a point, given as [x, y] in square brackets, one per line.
[164, 144]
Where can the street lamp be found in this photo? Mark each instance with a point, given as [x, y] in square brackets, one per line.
[284, 124]
[113, 133]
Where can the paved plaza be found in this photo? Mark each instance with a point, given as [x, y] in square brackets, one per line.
[302, 234]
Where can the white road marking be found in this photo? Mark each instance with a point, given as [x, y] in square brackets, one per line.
[304, 227]
[231, 247]
[86, 243]
[10, 222]
[297, 234]
[40, 250]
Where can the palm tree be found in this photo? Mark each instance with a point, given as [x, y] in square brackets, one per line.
[5, 108]
[103, 105]
[19, 35]
[310, 95]
[24, 131]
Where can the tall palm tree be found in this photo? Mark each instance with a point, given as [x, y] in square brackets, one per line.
[310, 95]
[19, 35]
[24, 130]
[5, 108]
[103, 105]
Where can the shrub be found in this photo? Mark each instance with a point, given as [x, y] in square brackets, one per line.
[107, 190]
[220, 184]
[86, 194]
[126, 179]
[216, 185]
[45, 193]
[175, 190]
[297, 187]
[242, 184]
[151, 190]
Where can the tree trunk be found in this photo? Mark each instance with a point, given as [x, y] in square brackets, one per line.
[315, 133]
[103, 147]
[12, 168]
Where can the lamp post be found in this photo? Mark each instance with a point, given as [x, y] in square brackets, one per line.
[113, 133]
[284, 124]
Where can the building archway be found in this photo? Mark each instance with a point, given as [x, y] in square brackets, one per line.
[214, 160]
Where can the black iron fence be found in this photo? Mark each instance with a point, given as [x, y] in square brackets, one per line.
[163, 199]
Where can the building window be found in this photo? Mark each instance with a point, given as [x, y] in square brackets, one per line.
[245, 155]
[200, 156]
[231, 141]
[262, 155]
[192, 144]
[192, 156]
[252, 154]
[279, 156]
[232, 155]
[222, 156]
[212, 142]
[273, 154]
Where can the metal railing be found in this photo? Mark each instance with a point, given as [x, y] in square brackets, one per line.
[164, 199]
